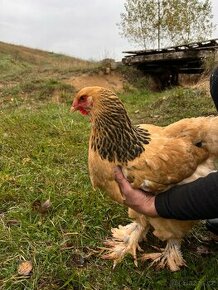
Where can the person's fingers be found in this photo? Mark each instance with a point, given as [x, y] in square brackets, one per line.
[123, 184]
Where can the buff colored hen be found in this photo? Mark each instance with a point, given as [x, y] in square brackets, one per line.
[152, 158]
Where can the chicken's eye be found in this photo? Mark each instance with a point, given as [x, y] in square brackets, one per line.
[82, 98]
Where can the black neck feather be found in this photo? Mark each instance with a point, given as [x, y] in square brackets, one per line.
[113, 135]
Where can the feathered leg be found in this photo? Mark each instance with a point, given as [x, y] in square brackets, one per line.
[170, 257]
[125, 239]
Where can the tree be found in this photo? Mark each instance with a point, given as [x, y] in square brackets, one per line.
[193, 20]
[169, 22]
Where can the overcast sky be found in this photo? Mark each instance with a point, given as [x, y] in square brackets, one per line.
[80, 28]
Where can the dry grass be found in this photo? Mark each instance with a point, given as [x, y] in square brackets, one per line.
[18, 61]
[39, 57]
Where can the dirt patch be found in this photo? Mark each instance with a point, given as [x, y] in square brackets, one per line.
[113, 81]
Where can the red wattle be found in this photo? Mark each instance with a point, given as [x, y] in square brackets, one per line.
[83, 112]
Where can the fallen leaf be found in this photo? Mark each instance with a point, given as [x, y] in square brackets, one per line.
[36, 205]
[45, 206]
[25, 268]
[41, 207]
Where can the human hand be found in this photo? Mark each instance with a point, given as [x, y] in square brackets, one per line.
[136, 199]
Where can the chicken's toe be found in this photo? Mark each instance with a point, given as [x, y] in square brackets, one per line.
[125, 240]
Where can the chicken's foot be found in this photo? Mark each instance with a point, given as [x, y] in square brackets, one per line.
[125, 239]
[170, 257]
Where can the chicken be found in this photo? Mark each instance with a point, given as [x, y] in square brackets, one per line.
[152, 158]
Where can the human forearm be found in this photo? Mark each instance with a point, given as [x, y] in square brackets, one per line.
[196, 200]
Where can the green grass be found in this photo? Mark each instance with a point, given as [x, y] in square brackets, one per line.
[18, 63]
[43, 155]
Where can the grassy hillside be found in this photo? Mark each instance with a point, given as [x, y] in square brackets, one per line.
[29, 76]
[44, 157]
[17, 62]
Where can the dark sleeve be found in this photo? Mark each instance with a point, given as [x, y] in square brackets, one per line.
[214, 86]
[192, 201]
[198, 199]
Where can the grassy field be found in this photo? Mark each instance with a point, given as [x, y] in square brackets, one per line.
[44, 157]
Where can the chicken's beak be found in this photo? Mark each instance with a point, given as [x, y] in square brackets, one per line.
[72, 109]
[74, 106]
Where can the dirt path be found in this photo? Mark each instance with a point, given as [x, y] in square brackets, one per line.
[112, 81]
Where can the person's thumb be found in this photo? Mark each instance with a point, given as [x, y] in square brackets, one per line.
[118, 175]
